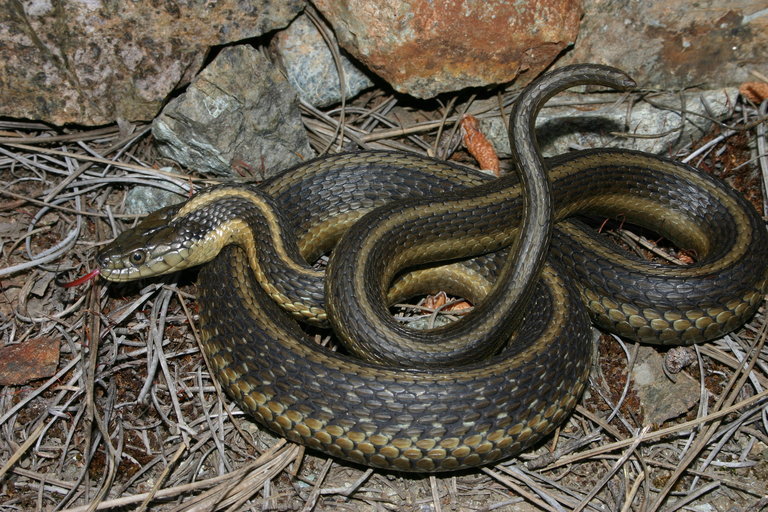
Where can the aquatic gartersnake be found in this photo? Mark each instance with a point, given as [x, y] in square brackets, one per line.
[390, 416]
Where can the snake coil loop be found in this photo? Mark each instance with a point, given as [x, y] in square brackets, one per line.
[254, 243]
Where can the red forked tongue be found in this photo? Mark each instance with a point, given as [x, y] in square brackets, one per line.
[82, 280]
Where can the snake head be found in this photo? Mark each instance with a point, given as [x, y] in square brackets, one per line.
[157, 245]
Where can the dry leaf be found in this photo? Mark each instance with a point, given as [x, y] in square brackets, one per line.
[685, 257]
[435, 301]
[756, 92]
[478, 145]
[439, 301]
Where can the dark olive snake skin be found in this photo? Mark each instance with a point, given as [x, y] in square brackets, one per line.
[397, 410]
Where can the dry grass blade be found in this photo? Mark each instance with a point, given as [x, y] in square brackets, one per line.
[221, 489]
[550, 504]
[619, 463]
[32, 439]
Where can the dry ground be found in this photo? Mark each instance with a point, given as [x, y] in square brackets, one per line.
[130, 419]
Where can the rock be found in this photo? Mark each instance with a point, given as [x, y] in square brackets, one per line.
[572, 125]
[141, 200]
[310, 67]
[33, 359]
[239, 113]
[660, 398]
[670, 44]
[94, 62]
[423, 48]
[678, 358]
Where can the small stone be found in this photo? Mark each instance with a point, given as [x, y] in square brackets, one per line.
[678, 358]
[141, 200]
[660, 398]
[30, 360]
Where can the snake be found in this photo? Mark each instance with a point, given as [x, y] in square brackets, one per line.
[252, 243]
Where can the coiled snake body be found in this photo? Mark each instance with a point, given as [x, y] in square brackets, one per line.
[494, 402]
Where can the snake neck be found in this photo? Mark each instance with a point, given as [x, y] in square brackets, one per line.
[249, 218]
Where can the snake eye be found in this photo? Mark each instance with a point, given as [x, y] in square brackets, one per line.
[138, 257]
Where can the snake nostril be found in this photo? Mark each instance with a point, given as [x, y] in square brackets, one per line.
[102, 259]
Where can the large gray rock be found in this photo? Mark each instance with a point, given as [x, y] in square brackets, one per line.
[239, 116]
[94, 62]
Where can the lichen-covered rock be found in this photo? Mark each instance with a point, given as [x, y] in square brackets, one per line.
[239, 116]
[424, 48]
[93, 62]
[311, 68]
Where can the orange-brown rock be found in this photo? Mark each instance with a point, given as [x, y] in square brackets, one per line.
[424, 48]
[32, 359]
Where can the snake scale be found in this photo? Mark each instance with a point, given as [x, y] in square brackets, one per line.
[520, 361]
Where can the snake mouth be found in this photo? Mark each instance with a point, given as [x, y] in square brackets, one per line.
[106, 272]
